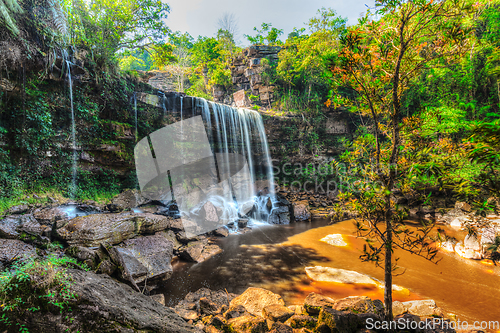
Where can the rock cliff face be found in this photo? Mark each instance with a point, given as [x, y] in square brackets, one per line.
[246, 73]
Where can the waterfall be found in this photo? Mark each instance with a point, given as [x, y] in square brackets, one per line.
[218, 165]
[73, 132]
[241, 131]
[135, 116]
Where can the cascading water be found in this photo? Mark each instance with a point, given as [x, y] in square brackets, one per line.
[218, 173]
[135, 117]
[73, 131]
[241, 131]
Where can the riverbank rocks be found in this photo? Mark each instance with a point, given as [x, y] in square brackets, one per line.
[256, 299]
[260, 310]
[301, 211]
[144, 258]
[199, 251]
[282, 213]
[111, 229]
[105, 305]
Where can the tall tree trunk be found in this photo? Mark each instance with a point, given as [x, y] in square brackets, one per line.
[388, 263]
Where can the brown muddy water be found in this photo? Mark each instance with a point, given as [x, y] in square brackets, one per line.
[275, 257]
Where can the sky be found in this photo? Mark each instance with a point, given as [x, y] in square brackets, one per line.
[199, 17]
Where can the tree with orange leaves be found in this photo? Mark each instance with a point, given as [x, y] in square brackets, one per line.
[378, 62]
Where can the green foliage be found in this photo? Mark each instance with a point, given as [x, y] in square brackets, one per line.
[35, 284]
[106, 27]
[267, 34]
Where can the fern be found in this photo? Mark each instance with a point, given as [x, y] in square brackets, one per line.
[59, 18]
[6, 17]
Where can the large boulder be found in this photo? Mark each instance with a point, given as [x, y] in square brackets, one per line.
[111, 229]
[256, 299]
[142, 258]
[301, 211]
[105, 305]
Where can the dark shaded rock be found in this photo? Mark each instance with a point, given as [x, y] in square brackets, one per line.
[235, 311]
[160, 298]
[84, 254]
[170, 235]
[96, 229]
[30, 226]
[301, 321]
[19, 209]
[13, 249]
[280, 328]
[106, 266]
[221, 232]
[314, 302]
[104, 305]
[214, 303]
[277, 312]
[146, 257]
[242, 223]
[187, 314]
[256, 299]
[218, 322]
[338, 321]
[247, 324]
[8, 227]
[282, 212]
[126, 200]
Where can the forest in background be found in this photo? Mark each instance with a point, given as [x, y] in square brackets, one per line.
[450, 110]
